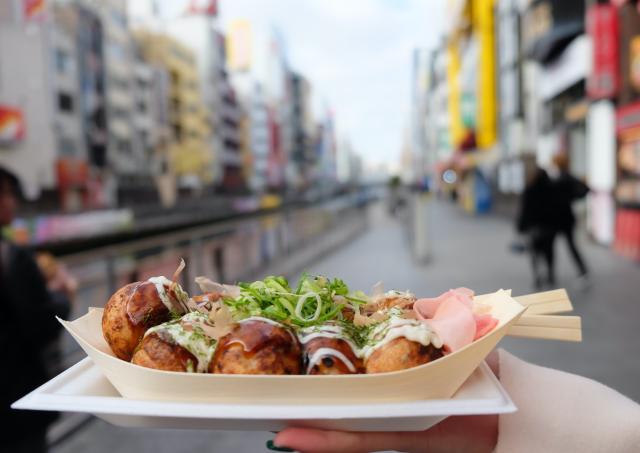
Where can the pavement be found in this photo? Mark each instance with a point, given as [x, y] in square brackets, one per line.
[464, 251]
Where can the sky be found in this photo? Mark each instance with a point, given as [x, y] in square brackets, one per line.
[357, 55]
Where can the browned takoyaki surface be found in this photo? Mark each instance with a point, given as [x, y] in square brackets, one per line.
[400, 354]
[156, 353]
[128, 314]
[257, 347]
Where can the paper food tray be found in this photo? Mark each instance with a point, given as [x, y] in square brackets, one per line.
[436, 380]
[83, 388]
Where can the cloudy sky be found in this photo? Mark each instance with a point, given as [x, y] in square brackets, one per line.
[357, 55]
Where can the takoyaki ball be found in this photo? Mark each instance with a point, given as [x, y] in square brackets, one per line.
[154, 352]
[326, 355]
[257, 347]
[133, 309]
[400, 354]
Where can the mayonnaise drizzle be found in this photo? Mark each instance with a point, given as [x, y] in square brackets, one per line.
[321, 353]
[162, 283]
[326, 331]
[411, 329]
[193, 340]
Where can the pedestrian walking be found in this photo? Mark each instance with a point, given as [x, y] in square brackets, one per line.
[535, 222]
[28, 327]
[566, 190]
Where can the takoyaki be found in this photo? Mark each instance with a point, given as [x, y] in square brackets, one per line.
[398, 344]
[257, 346]
[136, 307]
[327, 350]
[180, 345]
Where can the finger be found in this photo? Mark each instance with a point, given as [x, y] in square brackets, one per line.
[493, 360]
[475, 434]
[319, 441]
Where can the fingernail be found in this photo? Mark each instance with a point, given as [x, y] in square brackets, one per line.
[274, 447]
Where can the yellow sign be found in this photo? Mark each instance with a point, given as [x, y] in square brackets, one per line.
[634, 63]
[486, 134]
[239, 45]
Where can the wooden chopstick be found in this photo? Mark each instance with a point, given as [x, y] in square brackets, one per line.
[540, 320]
[548, 327]
[546, 303]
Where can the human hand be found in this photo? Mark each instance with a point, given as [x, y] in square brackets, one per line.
[473, 434]
[64, 282]
[57, 276]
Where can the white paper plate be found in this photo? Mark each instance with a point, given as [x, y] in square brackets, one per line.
[83, 388]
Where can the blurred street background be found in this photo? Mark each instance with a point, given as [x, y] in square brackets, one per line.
[367, 140]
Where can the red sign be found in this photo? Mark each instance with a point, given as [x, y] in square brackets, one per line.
[72, 173]
[204, 7]
[33, 9]
[12, 125]
[619, 2]
[602, 26]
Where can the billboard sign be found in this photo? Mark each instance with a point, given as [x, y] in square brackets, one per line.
[602, 26]
[12, 125]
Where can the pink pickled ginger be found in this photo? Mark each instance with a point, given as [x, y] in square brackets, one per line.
[451, 316]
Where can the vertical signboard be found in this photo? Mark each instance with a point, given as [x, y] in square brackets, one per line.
[602, 26]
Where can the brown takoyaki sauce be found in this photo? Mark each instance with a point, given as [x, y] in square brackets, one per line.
[256, 335]
[144, 305]
[257, 347]
[331, 362]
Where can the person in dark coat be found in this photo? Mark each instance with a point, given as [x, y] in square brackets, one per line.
[535, 220]
[566, 190]
[28, 328]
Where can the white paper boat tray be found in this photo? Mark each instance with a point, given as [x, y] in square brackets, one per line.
[83, 388]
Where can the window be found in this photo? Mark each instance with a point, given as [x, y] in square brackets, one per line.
[66, 147]
[61, 61]
[65, 102]
[124, 146]
[144, 138]
[177, 132]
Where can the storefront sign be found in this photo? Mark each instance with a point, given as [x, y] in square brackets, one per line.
[72, 173]
[628, 118]
[602, 28]
[629, 26]
[12, 125]
[204, 7]
[634, 62]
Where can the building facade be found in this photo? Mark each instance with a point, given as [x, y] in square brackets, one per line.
[50, 156]
[198, 28]
[188, 151]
